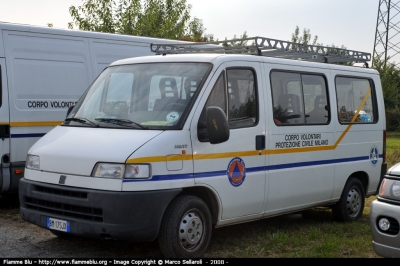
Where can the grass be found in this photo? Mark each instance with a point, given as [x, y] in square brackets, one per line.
[392, 148]
[310, 234]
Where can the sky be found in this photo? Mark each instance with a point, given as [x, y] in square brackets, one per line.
[351, 23]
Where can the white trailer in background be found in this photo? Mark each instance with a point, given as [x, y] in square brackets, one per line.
[43, 72]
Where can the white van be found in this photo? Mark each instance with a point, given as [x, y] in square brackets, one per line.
[43, 72]
[172, 145]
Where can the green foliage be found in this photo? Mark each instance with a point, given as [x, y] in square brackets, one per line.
[392, 120]
[305, 38]
[169, 19]
[50, 25]
[237, 43]
[392, 148]
[240, 43]
[390, 80]
[197, 32]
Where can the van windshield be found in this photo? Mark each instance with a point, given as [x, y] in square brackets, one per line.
[141, 96]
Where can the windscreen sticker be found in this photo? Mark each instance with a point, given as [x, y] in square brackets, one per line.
[172, 117]
[374, 155]
[236, 171]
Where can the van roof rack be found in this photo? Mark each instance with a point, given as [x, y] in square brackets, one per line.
[267, 47]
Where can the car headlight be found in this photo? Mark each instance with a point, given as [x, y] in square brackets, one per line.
[382, 188]
[390, 188]
[113, 170]
[32, 162]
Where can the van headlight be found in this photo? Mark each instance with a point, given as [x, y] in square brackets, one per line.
[32, 162]
[137, 171]
[129, 171]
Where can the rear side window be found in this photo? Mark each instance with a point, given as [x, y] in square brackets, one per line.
[355, 100]
[299, 99]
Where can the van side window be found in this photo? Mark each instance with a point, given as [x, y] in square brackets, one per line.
[217, 98]
[299, 99]
[355, 100]
[242, 104]
[315, 99]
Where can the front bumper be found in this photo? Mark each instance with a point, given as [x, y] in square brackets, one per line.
[385, 244]
[134, 216]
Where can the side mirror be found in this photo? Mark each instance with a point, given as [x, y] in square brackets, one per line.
[70, 109]
[217, 125]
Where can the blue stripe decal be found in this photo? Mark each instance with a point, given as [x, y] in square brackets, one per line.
[162, 178]
[253, 169]
[303, 164]
[32, 135]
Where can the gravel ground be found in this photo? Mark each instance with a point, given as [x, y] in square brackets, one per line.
[19, 239]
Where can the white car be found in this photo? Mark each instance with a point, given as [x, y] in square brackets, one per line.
[385, 215]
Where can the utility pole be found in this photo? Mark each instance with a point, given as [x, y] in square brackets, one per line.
[387, 34]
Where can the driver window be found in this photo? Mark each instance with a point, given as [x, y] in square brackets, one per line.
[217, 98]
[242, 98]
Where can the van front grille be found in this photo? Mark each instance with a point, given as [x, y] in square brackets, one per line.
[65, 210]
[67, 193]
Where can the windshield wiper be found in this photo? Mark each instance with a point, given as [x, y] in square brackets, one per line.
[83, 121]
[121, 122]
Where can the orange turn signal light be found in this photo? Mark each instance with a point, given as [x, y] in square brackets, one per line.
[19, 171]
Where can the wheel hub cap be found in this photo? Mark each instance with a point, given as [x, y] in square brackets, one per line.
[190, 230]
[353, 202]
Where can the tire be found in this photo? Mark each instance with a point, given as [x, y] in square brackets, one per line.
[186, 228]
[350, 207]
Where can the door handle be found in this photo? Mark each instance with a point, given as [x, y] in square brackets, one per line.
[4, 131]
[260, 142]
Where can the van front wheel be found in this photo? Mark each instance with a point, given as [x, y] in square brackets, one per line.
[350, 207]
[186, 228]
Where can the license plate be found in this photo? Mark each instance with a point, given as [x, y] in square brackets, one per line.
[57, 224]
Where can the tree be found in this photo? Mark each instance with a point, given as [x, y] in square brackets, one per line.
[197, 32]
[390, 80]
[169, 19]
[305, 38]
[237, 43]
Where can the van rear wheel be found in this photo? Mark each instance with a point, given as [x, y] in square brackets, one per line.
[350, 207]
[186, 228]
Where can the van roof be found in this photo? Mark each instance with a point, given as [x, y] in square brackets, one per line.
[208, 58]
[220, 58]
